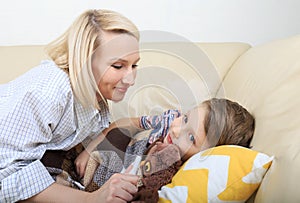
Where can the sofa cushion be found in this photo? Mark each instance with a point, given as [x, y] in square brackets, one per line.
[220, 174]
[266, 81]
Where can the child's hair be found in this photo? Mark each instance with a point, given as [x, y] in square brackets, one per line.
[228, 123]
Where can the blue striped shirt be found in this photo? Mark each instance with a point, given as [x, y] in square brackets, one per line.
[39, 112]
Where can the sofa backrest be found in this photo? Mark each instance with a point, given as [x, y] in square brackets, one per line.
[16, 60]
[266, 79]
[177, 75]
[171, 75]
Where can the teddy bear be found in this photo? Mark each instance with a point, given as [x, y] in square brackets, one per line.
[161, 163]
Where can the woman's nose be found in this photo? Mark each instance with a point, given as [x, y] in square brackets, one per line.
[129, 77]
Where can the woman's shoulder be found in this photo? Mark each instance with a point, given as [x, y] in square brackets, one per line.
[55, 82]
[44, 72]
[45, 80]
[45, 86]
[49, 72]
[53, 75]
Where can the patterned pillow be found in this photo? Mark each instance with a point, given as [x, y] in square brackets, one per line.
[220, 174]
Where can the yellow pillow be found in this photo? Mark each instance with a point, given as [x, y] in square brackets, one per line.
[220, 174]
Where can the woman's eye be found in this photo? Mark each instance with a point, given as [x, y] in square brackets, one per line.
[192, 138]
[116, 66]
[135, 66]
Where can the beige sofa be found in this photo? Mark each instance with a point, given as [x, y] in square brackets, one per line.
[264, 78]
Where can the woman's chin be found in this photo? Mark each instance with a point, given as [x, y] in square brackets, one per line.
[117, 98]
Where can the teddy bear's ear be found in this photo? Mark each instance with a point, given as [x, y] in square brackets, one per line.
[156, 147]
[171, 156]
[160, 157]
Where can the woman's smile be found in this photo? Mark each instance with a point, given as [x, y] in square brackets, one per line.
[122, 89]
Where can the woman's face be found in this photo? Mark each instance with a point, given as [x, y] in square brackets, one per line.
[114, 64]
[188, 132]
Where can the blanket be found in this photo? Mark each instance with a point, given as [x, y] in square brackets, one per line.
[159, 163]
[114, 154]
[60, 165]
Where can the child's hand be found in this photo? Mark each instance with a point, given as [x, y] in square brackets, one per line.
[81, 162]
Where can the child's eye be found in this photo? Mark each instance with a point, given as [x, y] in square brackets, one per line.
[192, 138]
[185, 119]
[116, 66]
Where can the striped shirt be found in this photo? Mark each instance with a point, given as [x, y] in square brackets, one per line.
[39, 112]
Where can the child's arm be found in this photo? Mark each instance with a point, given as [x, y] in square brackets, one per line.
[160, 123]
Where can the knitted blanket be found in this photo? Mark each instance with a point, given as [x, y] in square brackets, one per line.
[113, 156]
[118, 150]
[60, 165]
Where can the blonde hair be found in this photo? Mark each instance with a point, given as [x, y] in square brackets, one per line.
[73, 50]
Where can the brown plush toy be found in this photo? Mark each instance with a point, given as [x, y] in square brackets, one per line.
[160, 165]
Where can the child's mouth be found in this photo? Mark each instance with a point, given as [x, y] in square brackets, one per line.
[169, 139]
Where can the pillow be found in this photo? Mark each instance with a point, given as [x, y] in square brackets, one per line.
[220, 174]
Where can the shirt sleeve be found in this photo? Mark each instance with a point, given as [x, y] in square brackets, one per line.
[25, 183]
[23, 175]
[27, 130]
[159, 123]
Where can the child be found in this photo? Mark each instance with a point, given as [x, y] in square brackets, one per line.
[214, 122]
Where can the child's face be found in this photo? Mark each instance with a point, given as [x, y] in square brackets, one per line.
[188, 133]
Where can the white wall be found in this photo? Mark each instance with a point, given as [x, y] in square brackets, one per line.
[252, 21]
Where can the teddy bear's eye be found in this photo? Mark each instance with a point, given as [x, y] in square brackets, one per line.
[147, 166]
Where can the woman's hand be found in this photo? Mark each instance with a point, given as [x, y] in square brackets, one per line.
[119, 188]
[81, 162]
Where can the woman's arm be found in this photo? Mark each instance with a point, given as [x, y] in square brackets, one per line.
[119, 188]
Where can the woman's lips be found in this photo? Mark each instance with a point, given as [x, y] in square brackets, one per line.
[122, 89]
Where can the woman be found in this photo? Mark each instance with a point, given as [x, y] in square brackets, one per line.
[63, 101]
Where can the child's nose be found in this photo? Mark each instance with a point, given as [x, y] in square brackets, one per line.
[176, 126]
